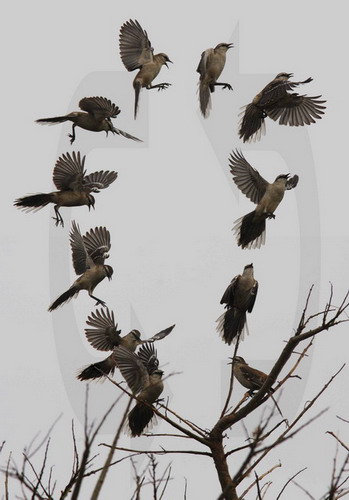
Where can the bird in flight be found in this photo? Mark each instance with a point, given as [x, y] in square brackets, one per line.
[74, 187]
[137, 53]
[277, 102]
[89, 253]
[142, 374]
[250, 229]
[239, 298]
[210, 67]
[103, 335]
[96, 116]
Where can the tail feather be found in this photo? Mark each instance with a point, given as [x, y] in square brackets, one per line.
[33, 202]
[98, 370]
[139, 418]
[251, 125]
[55, 119]
[231, 324]
[137, 86]
[66, 296]
[205, 99]
[250, 230]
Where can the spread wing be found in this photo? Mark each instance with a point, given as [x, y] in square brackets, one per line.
[103, 334]
[97, 243]
[99, 107]
[132, 369]
[296, 110]
[203, 62]
[99, 180]
[247, 179]
[148, 356]
[135, 46]
[252, 298]
[69, 172]
[228, 296]
[161, 335]
[81, 259]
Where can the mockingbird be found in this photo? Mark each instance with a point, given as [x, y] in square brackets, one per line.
[143, 377]
[96, 116]
[248, 377]
[89, 253]
[210, 67]
[137, 53]
[250, 229]
[104, 336]
[277, 102]
[238, 298]
[74, 187]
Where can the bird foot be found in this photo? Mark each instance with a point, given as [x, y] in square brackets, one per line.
[271, 216]
[100, 302]
[163, 86]
[227, 86]
[58, 221]
[72, 138]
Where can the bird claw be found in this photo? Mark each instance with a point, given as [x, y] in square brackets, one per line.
[58, 221]
[271, 216]
[72, 138]
[100, 303]
[163, 86]
[227, 86]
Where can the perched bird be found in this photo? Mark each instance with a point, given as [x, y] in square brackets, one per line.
[239, 298]
[277, 102]
[89, 253]
[143, 377]
[250, 229]
[96, 116]
[248, 377]
[104, 336]
[137, 53]
[74, 187]
[210, 67]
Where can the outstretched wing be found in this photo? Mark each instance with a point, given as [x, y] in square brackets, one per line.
[97, 242]
[147, 354]
[132, 369]
[103, 335]
[247, 179]
[296, 110]
[99, 180]
[161, 335]
[228, 295]
[69, 172]
[99, 107]
[81, 260]
[135, 46]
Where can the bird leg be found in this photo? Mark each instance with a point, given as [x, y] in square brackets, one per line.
[159, 86]
[58, 218]
[98, 301]
[224, 85]
[72, 135]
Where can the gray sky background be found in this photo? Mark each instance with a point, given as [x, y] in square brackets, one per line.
[170, 214]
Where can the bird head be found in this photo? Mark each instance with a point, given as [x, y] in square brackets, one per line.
[91, 201]
[238, 360]
[164, 59]
[109, 272]
[284, 75]
[225, 46]
[136, 334]
[283, 177]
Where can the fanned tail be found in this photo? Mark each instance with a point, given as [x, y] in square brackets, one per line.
[250, 230]
[251, 124]
[98, 370]
[138, 419]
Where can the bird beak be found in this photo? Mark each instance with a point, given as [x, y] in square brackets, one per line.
[287, 175]
[290, 75]
[167, 62]
[230, 45]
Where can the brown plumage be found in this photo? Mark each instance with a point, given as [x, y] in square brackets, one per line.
[137, 53]
[96, 116]
[74, 187]
[89, 253]
[278, 103]
[210, 67]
